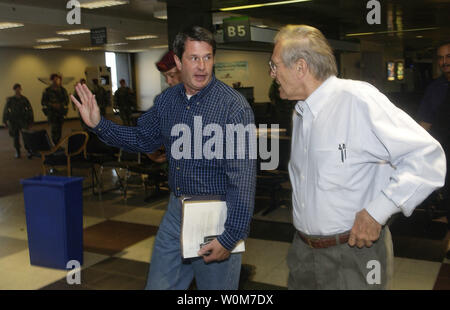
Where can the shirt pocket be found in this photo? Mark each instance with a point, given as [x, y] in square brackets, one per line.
[333, 169]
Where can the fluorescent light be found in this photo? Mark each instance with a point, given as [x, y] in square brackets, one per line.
[160, 14]
[47, 46]
[253, 6]
[116, 44]
[88, 49]
[262, 26]
[7, 25]
[160, 46]
[391, 31]
[95, 4]
[51, 40]
[142, 37]
[136, 51]
[73, 32]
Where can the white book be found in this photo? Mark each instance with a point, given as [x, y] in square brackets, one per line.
[202, 222]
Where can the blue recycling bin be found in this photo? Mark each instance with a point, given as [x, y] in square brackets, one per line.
[54, 215]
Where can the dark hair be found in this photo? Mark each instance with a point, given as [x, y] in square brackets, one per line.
[194, 33]
[441, 44]
[122, 80]
[17, 85]
[53, 76]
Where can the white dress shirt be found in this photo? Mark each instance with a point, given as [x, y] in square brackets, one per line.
[353, 149]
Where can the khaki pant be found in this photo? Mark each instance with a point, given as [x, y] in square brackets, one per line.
[341, 267]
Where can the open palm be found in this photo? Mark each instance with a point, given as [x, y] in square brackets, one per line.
[88, 108]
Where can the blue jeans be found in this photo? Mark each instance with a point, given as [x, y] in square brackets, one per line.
[168, 271]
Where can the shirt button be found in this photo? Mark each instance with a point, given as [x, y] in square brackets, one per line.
[303, 205]
[178, 188]
[198, 103]
[303, 177]
[188, 107]
[181, 148]
[178, 168]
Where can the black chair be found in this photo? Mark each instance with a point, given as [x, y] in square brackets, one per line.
[74, 154]
[36, 141]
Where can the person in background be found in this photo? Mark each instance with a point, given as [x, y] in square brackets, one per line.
[125, 101]
[169, 70]
[434, 116]
[17, 115]
[101, 95]
[356, 160]
[55, 102]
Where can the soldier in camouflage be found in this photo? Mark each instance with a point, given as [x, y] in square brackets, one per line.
[55, 106]
[101, 96]
[17, 115]
[125, 101]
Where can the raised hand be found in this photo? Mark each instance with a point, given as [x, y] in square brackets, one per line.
[88, 108]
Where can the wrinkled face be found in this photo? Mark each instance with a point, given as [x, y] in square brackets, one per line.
[196, 65]
[443, 55]
[172, 76]
[285, 76]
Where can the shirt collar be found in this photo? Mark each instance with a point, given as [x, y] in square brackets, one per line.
[202, 93]
[317, 100]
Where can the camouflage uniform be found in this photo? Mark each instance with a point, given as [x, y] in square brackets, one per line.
[18, 115]
[55, 115]
[102, 98]
[281, 109]
[125, 101]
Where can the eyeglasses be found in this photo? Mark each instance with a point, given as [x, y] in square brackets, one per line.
[273, 67]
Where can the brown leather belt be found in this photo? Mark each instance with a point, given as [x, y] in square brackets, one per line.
[324, 242]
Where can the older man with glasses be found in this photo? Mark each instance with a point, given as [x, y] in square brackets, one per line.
[356, 160]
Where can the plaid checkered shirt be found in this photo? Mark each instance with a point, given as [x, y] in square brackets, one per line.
[233, 178]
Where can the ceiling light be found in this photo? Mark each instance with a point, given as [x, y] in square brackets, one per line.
[253, 6]
[73, 32]
[419, 37]
[45, 47]
[136, 51]
[262, 26]
[116, 44]
[88, 49]
[160, 14]
[392, 31]
[160, 46]
[51, 40]
[143, 37]
[7, 25]
[95, 4]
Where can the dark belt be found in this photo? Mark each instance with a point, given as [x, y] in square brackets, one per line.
[324, 242]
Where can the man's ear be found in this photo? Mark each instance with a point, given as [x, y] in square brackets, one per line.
[301, 66]
[178, 62]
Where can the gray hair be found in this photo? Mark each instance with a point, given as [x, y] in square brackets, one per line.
[307, 43]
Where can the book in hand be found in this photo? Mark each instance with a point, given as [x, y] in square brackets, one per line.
[202, 222]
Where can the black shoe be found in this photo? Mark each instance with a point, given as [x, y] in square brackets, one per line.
[29, 155]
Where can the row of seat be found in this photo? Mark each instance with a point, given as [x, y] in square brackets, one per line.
[83, 150]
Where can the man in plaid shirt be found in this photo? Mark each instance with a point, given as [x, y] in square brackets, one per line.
[201, 97]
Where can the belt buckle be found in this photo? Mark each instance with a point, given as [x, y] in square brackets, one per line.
[309, 243]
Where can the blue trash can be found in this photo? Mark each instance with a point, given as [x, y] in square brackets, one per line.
[54, 215]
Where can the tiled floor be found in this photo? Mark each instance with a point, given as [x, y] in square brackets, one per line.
[119, 235]
[118, 238]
